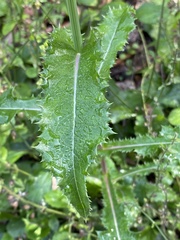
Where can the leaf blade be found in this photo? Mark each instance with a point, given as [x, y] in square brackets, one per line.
[118, 227]
[9, 106]
[114, 38]
[146, 145]
[74, 118]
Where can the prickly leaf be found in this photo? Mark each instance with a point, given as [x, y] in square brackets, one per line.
[9, 106]
[142, 145]
[113, 33]
[74, 117]
[114, 218]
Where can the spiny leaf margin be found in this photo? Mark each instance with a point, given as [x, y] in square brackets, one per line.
[113, 33]
[114, 218]
[10, 106]
[144, 145]
[74, 117]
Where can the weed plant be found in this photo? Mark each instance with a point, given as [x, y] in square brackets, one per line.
[84, 155]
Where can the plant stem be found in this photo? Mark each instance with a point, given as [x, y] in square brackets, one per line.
[42, 208]
[154, 224]
[75, 26]
[135, 172]
[16, 169]
[145, 47]
[157, 45]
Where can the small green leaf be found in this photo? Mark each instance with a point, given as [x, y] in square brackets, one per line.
[9, 106]
[56, 199]
[18, 62]
[16, 228]
[61, 235]
[36, 189]
[174, 117]
[91, 3]
[148, 233]
[5, 130]
[119, 113]
[3, 8]
[8, 27]
[33, 230]
[149, 13]
[13, 156]
[5, 205]
[6, 236]
[53, 224]
[31, 72]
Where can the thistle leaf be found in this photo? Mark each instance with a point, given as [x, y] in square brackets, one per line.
[146, 145]
[113, 33]
[74, 117]
[142, 145]
[9, 106]
[114, 218]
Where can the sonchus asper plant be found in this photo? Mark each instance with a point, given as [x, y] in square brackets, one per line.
[74, 117]
[73, 108]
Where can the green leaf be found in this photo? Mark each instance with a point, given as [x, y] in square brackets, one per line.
[8, 27]
[139, 170]
[113, 33]
[149, 13]
[144, 145]
[13, 156]
[171, 97]
[33, 230]
[9, 106]
[88, 2]
[16, 228]
[114, 218]
[37, 189]
[31, 72]
[61, 235]
[174, 117]
[53, 223]
[119, 113]
[6, 236]
[5, 205]
[3, 8]
[74, 117]
[130, 99]
[5, 131]
[56, 199]
[148, 233]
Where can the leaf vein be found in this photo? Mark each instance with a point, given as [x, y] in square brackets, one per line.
[76, 70]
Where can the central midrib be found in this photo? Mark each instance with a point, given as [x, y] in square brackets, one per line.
[76, 69]
[108, 48]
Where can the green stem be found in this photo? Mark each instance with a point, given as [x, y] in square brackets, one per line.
[42, 208]
[135, 172]
[154, 224]
[157, 45]
[18, 170]
[75, 26]
[145, 47]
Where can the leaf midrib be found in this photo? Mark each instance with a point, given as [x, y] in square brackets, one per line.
[112, 207]
[76, 70]
[20, 108]
[108, 48]
[136, 145]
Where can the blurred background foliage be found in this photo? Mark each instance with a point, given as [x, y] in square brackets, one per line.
[144, 92]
